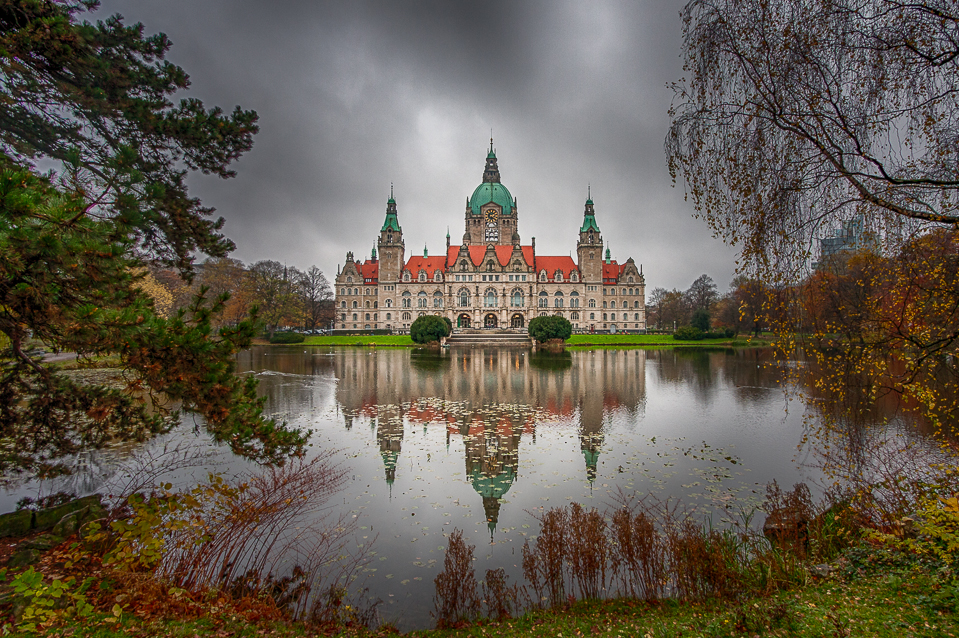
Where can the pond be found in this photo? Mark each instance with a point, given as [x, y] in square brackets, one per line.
[484, 439]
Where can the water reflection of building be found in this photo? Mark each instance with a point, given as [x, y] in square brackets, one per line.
[490, 398]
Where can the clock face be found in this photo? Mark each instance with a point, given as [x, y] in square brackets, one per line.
[492, 215]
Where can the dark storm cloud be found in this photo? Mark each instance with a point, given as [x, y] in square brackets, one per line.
[355, 95]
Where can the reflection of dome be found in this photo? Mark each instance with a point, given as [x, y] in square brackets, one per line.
[492, 489]
[592, 460]
[491, 192]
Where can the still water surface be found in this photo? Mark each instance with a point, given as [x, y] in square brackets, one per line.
[483, 439]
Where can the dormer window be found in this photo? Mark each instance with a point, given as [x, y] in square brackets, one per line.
[542, 275]
[349, 280]
[389, 238]
[558, 275]
[630, 280]
[573, 276]
[422, 275]
[406, 276]
[438, 276]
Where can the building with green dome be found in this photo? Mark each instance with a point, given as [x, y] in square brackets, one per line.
[491, 279]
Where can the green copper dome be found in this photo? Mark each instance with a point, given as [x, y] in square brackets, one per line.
[491, 192]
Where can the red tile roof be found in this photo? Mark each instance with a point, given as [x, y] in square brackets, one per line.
[429, 264]
[564, 264]
[611, 272]
[370, 271]
[503, 253]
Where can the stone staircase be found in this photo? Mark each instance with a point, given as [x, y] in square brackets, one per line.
[473, 338]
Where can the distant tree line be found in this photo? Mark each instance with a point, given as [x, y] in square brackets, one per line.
[286, 297]
[739, 309]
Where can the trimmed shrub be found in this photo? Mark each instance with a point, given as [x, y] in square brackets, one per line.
[287, 337]
[430, 328]
[688, 333]
[545, 328]
[700, 320]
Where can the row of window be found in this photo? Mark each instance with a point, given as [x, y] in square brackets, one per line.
[408, 316]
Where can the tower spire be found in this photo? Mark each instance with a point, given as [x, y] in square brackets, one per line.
[491, 174]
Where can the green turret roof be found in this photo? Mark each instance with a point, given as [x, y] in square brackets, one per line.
[589, 223]
[391, 222]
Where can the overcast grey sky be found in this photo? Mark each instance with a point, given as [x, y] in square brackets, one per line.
[355, 95]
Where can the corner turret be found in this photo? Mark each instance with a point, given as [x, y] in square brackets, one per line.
[392, 248]
[589, 248]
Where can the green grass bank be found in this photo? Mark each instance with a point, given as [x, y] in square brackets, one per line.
[577, 341]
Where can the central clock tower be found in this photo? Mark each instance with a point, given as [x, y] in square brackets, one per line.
[491, 211]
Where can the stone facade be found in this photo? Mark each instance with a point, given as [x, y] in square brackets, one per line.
[490, 280]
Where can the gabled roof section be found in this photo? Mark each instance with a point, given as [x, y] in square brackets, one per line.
[612, 271]
[565, 264]
[429, 264]
[478, 252]
[370, 271]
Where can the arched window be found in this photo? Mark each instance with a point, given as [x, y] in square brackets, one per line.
[438, 276]
[374, 304]
[406, 275]
[630, 280]
[356, 304]
[367, 293]
[543, 300]
[422, 275]
[592, 316]
[437, 299]
[574, 299]
[489, 267]
[342, 304]
[612, 317]
[490, 300]
[389, 303]
[558, 300]
[636, 317]
[573, 276]
[367, 316]
[343, 317]
[558, 275]
[349, 280]
[605, 304]
[604, 316]
[517, 299]
[354, 316]
[635, 304]
[421, 300]
[463, 265]
[612, 304]
[574, 316]
[407, 316]
[389, 316]
[464, 298]
[592, 303]
[367, 304]
[624, 291]
[407, 299]
[542, 275]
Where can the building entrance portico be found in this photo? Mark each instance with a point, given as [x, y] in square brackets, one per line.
[517, 321]
[490, 321]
